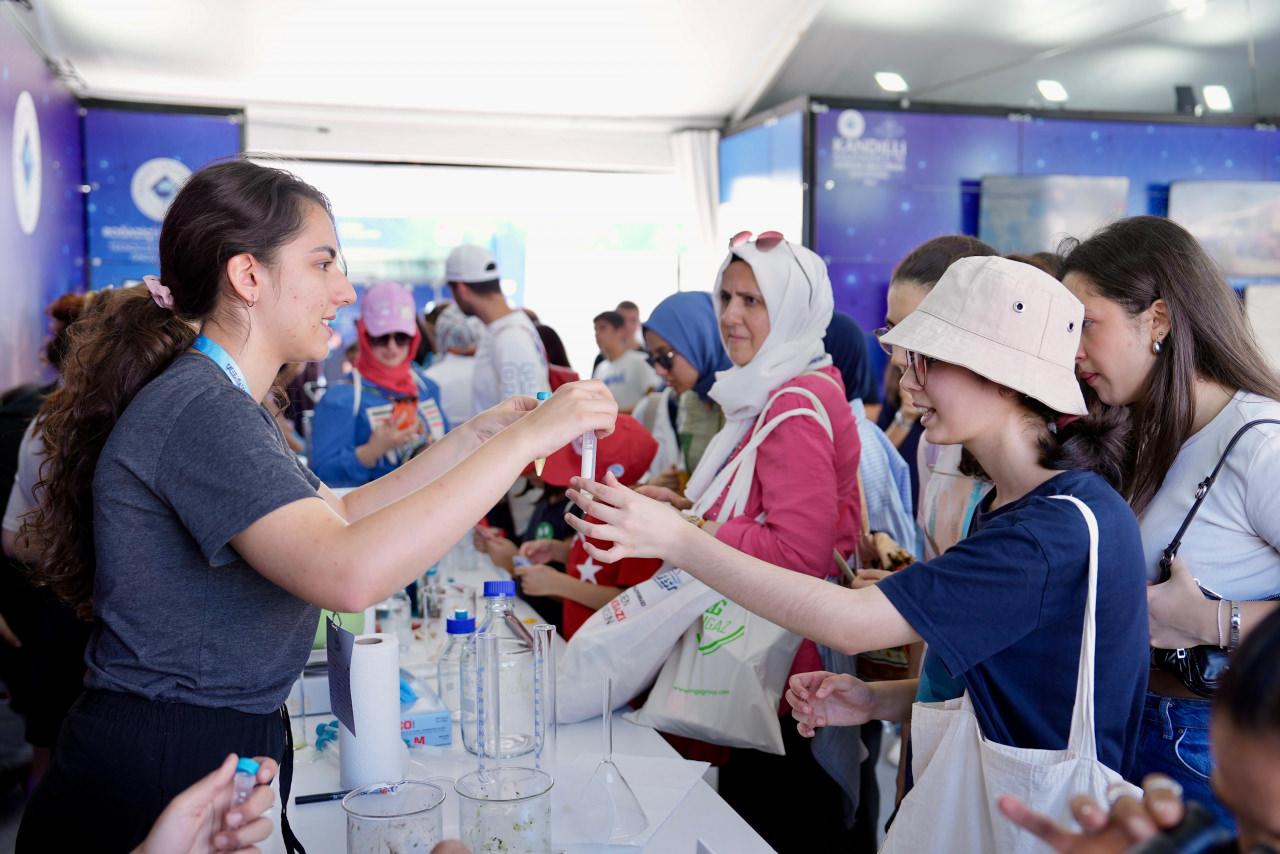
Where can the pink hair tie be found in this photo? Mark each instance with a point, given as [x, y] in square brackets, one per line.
[159, 293]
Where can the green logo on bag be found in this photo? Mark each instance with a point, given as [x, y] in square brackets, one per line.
[717, 632]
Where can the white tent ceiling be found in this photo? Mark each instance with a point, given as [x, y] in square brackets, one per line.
[502, 80]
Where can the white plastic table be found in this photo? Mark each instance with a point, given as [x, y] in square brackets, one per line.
[702, 823]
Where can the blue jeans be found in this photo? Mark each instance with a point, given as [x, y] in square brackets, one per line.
[1175, 742]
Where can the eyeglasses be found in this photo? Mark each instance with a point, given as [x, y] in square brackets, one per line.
[663, 360]
[400, 339]
[767, 241]
[919, 364]
[880, 333]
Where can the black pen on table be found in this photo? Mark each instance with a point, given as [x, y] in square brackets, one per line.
[321, 798]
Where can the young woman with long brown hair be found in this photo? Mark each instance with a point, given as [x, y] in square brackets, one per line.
[175, 514]
[1166, 337]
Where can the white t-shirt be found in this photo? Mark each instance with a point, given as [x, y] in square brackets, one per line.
[629, 377]
[456, 376]
[510, 361]
[22, 495]
[1233, 545]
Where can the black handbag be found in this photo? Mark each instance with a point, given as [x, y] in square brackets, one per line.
[1200, 668]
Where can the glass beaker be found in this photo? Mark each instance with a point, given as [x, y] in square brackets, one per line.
[505, 810]
[394, 818]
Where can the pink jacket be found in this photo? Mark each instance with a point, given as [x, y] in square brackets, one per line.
[807, 487]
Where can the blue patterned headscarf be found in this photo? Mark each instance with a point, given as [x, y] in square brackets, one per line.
[687, 321]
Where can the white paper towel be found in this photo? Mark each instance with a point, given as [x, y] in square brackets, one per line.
[377, 754]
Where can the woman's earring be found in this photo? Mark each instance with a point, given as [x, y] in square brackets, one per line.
[1155, 346]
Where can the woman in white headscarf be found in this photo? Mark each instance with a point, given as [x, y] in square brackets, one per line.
[790, 429]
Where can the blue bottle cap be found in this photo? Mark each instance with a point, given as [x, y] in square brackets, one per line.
[544, 395]
[499, 588]
[461, 623]
[247, 766]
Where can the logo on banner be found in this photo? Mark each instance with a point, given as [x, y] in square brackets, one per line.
[156, 183]
[26, 163]
[868, 156]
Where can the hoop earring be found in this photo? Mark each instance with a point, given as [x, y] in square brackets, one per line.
[1155, 347]
[255, 302]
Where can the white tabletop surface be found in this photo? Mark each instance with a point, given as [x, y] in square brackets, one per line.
[702, 822]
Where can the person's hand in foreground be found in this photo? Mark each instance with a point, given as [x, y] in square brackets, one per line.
[1103, 831]
[201, 819]
[636, 525]
[496, 418]
[821, 699]
[539, 580]
[451, 846]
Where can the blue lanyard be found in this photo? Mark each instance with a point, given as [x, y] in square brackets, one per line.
[222, 359]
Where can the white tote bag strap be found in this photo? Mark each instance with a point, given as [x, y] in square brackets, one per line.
[1084, 740]
[739, 474]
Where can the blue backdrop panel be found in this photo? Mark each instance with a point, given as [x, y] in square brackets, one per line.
[135, 163]
[887, 181]
[41, 229]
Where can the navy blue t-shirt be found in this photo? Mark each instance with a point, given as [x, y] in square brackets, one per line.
[1003, 611]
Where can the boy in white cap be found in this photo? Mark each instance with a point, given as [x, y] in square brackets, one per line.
[510, 359]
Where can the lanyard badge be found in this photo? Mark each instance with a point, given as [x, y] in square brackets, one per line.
[220, 357]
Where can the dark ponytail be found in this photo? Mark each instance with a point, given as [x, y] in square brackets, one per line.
[124, 340]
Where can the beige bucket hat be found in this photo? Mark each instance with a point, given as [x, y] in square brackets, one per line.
[1003, 320]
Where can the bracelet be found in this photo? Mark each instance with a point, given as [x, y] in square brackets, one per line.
[1235, 625]
[696, 520]
[1218, 622]
[901, 420]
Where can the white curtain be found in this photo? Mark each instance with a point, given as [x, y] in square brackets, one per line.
[695, 153]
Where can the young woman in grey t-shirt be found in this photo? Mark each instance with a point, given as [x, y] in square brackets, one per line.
[175, 516]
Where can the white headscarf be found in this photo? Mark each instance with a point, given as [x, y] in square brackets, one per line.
[797, 294]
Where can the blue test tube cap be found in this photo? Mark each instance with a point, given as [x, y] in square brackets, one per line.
[247, 766]
[499, 588]
[544, 395]
[461, 623]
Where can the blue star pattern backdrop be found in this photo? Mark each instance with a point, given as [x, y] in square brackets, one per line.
[135, 163]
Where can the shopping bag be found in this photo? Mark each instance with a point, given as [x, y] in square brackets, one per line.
[628, 639]
[959, 773]
[724, 681]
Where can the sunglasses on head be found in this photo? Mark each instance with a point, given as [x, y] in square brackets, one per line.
[400, 339]
[767, 241]
[663, 360]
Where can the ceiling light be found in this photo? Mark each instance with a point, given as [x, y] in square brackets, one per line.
[1217, 98]
[1052, 90]
[891, 81]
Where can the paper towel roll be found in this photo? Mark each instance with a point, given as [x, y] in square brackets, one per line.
[377, 754]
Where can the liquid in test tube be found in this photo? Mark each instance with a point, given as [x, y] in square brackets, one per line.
[541, 462]
[589, 455]
[246, 778]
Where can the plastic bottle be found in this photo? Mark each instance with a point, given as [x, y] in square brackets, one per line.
[515, 673]
[461, 628]
[246, 778]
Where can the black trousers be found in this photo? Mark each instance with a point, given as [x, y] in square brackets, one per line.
[790, 801]
[121, 758]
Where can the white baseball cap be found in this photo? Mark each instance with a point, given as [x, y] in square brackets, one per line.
[1004, 320]
[470, 264]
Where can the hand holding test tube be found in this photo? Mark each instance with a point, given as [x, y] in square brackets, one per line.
[588, 456]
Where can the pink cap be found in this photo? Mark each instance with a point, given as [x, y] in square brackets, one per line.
[387, 307]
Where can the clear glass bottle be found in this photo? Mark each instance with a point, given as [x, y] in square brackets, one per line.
[515, 673]
[461, 628]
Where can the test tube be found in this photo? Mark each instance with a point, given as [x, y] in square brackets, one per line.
[488, 711]
[246, 778]
[589, 456]
[540, 462]
[544, 695]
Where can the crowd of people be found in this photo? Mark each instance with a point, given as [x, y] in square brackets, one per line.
[1051, 514]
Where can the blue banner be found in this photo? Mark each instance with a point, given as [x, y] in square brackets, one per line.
[135, 163]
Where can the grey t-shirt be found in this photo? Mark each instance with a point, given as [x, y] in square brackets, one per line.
[180, 616]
